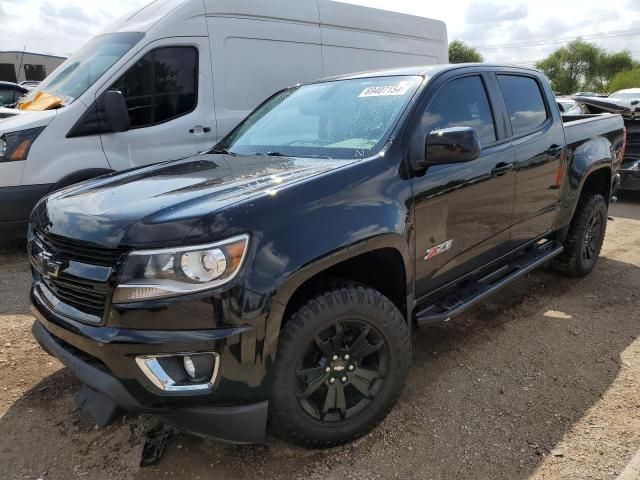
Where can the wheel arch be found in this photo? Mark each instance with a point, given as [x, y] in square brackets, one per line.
[383, 263]
[595, 177]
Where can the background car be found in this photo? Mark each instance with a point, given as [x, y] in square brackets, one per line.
[10, 93]
[569, 106]
[627, 95]
[589, 94]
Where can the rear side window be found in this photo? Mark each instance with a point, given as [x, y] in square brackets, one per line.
[461, 103]
[161, 86]
[524, 102]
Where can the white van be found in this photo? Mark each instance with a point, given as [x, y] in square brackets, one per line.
[171, 79]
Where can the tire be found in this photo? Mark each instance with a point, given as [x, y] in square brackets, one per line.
[349, 339]
[585, 237]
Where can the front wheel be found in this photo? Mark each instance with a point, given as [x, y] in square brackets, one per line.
[585, 237]
[343, 360]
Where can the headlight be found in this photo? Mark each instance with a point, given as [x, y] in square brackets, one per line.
[15, 146]
[150, 274]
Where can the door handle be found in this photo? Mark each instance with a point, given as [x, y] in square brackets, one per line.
[199, 130]
[501, 168]
[554, 150]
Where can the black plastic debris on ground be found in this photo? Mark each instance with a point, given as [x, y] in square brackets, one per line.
[96, 406]
[154, 445]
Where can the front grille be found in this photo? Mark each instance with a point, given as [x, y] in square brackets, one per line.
[83, 296]
[80, 252]
[80, 287]
[633, 142]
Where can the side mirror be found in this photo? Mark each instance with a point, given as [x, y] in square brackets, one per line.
[451, 145]
[116, 115]
[635, 102]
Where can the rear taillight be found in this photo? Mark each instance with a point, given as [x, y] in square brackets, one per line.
[624, 140]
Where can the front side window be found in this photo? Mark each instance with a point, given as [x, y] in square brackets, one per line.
[7, 96]
[87, 65]
[161, 86]
[343, 119]
[461, 103]
[524, 102]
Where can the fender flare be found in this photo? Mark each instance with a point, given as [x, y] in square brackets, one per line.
[392, 241]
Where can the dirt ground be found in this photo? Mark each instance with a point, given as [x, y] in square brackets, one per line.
[540, 382]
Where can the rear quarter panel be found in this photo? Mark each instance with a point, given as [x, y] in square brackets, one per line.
[593, 143]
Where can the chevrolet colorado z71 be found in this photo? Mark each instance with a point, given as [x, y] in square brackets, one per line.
[277, 278]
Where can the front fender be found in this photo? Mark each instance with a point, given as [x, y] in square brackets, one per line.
[388, 240]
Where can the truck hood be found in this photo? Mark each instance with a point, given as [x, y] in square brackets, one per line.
[158, 205]
[629, 109]
[13, 120]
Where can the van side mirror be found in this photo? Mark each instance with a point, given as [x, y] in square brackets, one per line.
[452, 145]
[116, 115]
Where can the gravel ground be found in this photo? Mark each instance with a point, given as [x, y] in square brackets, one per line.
[540, 382]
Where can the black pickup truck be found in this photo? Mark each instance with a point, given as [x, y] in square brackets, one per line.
[277, 278]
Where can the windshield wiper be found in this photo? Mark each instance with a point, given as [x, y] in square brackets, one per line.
[280, 154]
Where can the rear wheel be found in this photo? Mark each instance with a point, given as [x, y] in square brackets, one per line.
[343, 361]
[585, 237]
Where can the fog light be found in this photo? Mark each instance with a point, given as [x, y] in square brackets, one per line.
[182, 372]
[189, 367]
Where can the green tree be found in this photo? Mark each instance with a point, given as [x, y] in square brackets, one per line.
[573, 66]
[626, 79]
[460, 52]
[609, 65]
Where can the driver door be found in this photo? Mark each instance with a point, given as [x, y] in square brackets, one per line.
[169, 97]
[462, 211]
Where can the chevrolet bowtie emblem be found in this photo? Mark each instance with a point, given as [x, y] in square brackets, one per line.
[49, 267]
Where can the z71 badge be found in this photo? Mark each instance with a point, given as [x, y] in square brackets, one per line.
[438, 249]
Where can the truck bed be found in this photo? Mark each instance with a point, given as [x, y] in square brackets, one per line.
[581, 128]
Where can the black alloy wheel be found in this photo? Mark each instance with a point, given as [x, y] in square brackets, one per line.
[343, 360]
[341, 371]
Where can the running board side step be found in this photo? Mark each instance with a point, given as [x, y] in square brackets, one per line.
[456, 303]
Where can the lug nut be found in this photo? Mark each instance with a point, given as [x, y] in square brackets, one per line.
[334, 358]
[352, 368]
[332, 380]
[343, 379]
[328, 369]
[346, 357]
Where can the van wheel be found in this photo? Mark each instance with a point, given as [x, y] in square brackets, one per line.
[585, 237]
[343, 360]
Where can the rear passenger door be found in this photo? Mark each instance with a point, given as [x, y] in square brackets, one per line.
[462, 211]
[538, 138]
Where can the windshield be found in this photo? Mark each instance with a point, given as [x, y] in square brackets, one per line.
[625, 96]
[343, 119]
[87, 65]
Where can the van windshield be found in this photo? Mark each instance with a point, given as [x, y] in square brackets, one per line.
[343, 119]
[78, 73]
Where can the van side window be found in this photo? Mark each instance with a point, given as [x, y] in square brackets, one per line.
[524, 102]
[461, 103]
[161, 86]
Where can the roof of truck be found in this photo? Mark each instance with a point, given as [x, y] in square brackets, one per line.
[421, 70]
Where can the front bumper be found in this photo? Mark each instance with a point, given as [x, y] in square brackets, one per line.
[103, 358]
[16, 204]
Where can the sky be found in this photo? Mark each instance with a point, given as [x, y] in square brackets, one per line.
[518, 32]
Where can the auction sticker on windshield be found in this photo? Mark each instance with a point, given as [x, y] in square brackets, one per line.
[387, 90]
